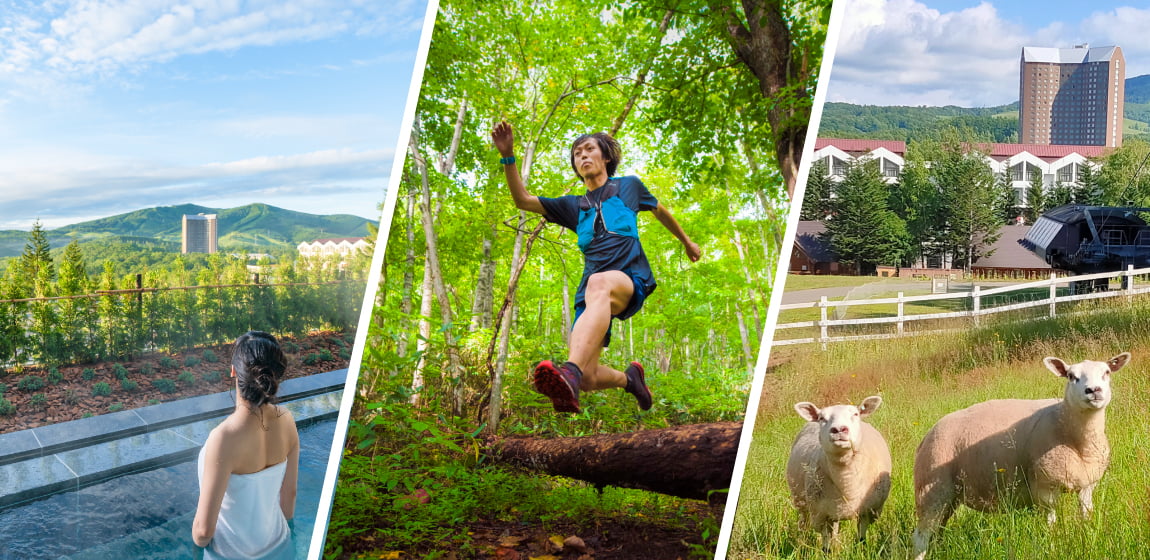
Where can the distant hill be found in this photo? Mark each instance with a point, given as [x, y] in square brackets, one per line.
[845, 120]
[996, 124]
[251, 228]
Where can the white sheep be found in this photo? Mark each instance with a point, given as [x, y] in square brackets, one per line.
[839, 468]
[1006, 454]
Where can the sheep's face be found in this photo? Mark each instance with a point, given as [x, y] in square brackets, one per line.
[840, 426]
[1088, 382]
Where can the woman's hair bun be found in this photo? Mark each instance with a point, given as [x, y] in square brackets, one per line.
[260, 365]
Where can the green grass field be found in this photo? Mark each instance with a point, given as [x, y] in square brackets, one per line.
[796, 282]
[923, 378]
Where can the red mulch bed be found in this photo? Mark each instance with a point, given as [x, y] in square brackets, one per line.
[72, 397]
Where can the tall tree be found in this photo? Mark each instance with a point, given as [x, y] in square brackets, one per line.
[817, 194]
[1036, 202]
[862, 229]
[969, 200]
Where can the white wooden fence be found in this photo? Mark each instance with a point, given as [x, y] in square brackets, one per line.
[976, 311]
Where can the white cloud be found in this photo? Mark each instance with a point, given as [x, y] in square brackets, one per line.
[104, 37]
[902, 52]
[339, 129]
[35, 184]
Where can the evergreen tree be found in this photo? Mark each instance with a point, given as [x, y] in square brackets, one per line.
[1008, 207]
[969, 203]
[817, 196]
[1088, 191]
[37, 257]
[862, 230]
[1061, 195]
[916, 199]
[1035, 198]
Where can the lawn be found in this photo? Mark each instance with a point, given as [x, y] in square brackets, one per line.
[796, 282]
[923, 378]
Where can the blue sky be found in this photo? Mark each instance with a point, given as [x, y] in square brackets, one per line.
[966, 53]
[108, 106]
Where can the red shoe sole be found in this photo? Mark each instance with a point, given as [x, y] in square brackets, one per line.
[550, 381]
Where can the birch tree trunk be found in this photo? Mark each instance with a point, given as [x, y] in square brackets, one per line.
[749, 359]
[424, 339]
[484, 289]
[753, 298]
[408, 272]
[455, 371]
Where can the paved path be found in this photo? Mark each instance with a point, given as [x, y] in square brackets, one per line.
[891, 285]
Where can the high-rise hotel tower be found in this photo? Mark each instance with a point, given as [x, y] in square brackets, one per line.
[200, 234]
[1072, 96]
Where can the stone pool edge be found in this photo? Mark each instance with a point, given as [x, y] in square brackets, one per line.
[84, 432]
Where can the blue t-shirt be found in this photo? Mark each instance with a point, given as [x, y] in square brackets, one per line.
[605, 220]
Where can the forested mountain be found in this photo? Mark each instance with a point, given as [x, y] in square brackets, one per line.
[995, 124]
[845, 120]
[254, 227]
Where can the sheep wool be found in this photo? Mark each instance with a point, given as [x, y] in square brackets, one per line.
[1007, 454]
[839, 468]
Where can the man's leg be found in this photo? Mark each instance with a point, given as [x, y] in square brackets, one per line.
[608, 293]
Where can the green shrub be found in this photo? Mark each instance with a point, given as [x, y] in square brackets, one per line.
[120, 372]
[212, 376]
[191, 361]
[6, 407]
[129, 385]
[88, 374]
[210, 357]
[87, 415]
[339, 342]
[153, 401]
[30, 383]
[54, 376]
[186, 377]
[345, 353]
[168, 362]
[165, 386]
[3, 388]
[101, 389]
[38, 400]
[289, 347]
[325, 355]
[115, 407]
[147, 370]
[310, 359]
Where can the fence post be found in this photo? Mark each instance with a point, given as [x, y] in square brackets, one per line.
[1128, 282]
[1053, 292]
[900, 308]
[823, 321]
[140, 286]
[977, 305]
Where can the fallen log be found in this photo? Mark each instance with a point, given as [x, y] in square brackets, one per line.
[686, 461]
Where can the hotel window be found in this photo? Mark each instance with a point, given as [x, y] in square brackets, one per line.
[838, 166]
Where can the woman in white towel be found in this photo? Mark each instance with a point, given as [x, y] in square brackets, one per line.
[249, 465]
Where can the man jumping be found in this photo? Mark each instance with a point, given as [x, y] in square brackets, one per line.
[616, 275]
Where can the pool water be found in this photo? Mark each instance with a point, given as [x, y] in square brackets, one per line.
[147, 514]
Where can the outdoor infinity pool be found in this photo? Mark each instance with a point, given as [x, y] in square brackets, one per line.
[145, 515]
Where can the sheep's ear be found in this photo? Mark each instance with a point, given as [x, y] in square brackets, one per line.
[869, 405]
[808, 411]
[1059, 367]
[1118, 362]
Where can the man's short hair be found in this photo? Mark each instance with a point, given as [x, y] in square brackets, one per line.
[607, 145]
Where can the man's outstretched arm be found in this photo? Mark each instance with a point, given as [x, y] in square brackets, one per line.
[504, 141]
[663, 214]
